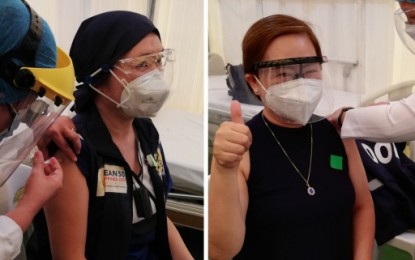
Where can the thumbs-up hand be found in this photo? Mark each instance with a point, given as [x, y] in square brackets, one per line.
[236, 112]
[232, 139]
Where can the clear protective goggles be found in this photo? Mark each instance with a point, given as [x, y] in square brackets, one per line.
[278, 71]
[138, 66]
[295, 88]
[50, 93]
[405, 27]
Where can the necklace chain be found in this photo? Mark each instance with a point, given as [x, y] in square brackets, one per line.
[311, 191]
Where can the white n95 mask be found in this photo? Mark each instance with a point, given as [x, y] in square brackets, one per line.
[144, 96]
[294, 100]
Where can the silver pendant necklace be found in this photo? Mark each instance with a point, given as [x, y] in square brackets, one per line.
[310, 190]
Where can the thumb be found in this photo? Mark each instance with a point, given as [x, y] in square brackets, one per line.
[55, 167]
[236, 113]
[37, 163]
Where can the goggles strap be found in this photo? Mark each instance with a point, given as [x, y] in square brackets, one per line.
[124, 84]
[106, 96]
[126, 73]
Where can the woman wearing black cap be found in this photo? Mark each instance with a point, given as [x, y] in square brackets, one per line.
[112, 206]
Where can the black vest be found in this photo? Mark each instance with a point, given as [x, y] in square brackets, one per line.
[110, 215]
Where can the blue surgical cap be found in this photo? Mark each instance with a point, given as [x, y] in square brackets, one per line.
[408, 1]
[14, 24]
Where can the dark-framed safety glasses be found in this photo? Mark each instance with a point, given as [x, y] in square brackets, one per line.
[277, 71]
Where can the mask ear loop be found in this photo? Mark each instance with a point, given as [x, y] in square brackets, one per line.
[259, 82]
[102, 93]
[123, 83]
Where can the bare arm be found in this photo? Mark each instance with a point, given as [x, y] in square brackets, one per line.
[178, 248]
[228, 204]
[364, 214]
[67, 212]
[228, 192]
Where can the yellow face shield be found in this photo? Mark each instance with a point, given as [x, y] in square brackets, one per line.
[57, 84]
[51, 93]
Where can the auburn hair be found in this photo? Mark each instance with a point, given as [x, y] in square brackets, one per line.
[260, 35]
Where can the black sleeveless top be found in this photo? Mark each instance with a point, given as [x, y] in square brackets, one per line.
[283, 221]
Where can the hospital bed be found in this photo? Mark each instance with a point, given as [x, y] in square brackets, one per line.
[391, 93]
[181, 134]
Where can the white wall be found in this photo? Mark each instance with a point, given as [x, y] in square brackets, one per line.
[179, 22]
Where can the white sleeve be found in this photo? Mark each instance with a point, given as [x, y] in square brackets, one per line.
[382, 123]
[11, 237]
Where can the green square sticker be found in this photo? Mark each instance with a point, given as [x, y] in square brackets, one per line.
[336, 162]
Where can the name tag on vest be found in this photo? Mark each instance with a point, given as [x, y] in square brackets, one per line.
[111, 178]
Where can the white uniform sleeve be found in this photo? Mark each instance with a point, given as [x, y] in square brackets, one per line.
[11, 237]
[382, 123]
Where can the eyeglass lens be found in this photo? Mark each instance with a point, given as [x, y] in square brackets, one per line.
[285, 73]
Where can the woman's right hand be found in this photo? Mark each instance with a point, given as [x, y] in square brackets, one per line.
[232, 139]
[44, 180]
